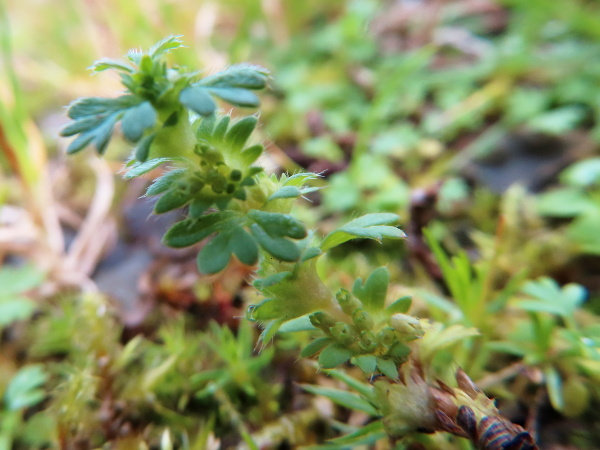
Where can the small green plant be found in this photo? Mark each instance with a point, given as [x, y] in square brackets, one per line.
[579, 200]
[171, 116]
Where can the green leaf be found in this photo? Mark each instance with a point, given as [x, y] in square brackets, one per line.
[373, 293]
[554, 385]
[237, 96]
[239, 132]
[280, 248]
[263, 283]
[14, 309]
[206, 126]
[142, 168]
[95, 106]
[366, 363]
[366, 435]
[244, 246]
[190, 231]
[512, 348]
[165, 45]
[559, 120]
[582, 173]
[24, 391]
[138, 119]
[310, 253]
[333, 355]
[80, 142]
[215, 255]
[301, 323]
[163, 183]
[82, 125]
[198, 207]
[368, 227]
[16, 280]
[107, 63]
[103, 133]
[315, 347]
[563, 202]
[172, 199]
[401, 305]
[143, 148]
[388, 367]
[343, 398]
[270, 330]
[365, 390]
[285, 192]
[221, 128]
[268, 309]
[399, 351]
[241, 75]
[277, 224]
[251, 154]
[549, 297]
[198, 100]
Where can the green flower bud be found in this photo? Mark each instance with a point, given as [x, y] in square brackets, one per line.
[347, 301]
[362, 319]
[323, 321]
[387, 337]
[218, 184]
[343, 333]
[368, 341]
[407, 326]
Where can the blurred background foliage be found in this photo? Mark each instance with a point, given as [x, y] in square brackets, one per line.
[478, 120]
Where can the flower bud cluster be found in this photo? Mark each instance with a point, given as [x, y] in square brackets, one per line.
[368, 332]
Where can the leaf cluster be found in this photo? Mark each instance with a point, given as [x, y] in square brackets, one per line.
[156, 98]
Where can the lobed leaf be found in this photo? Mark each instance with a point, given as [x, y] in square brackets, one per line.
[241, 75]
[215, 255]
[236, 96]
[24, 389]
[239, 132]
[138, 119]
[166, 45]
[280, 248]
[82, 125]
[221, 128]
[142, 168]
[285, 192]
[366, 363]
[244, 247]
[163, 183]
[107, 63]
[198, 100]
[263, 283]
[401, 305]
[276, 224]
[16, 280]
[372, 294]
[15, 308]
[94, 106]
[369, 226]
[333, 355]
[251, 154]
[190, 231]
[388, 367]
[269, 309]
[315, 347]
